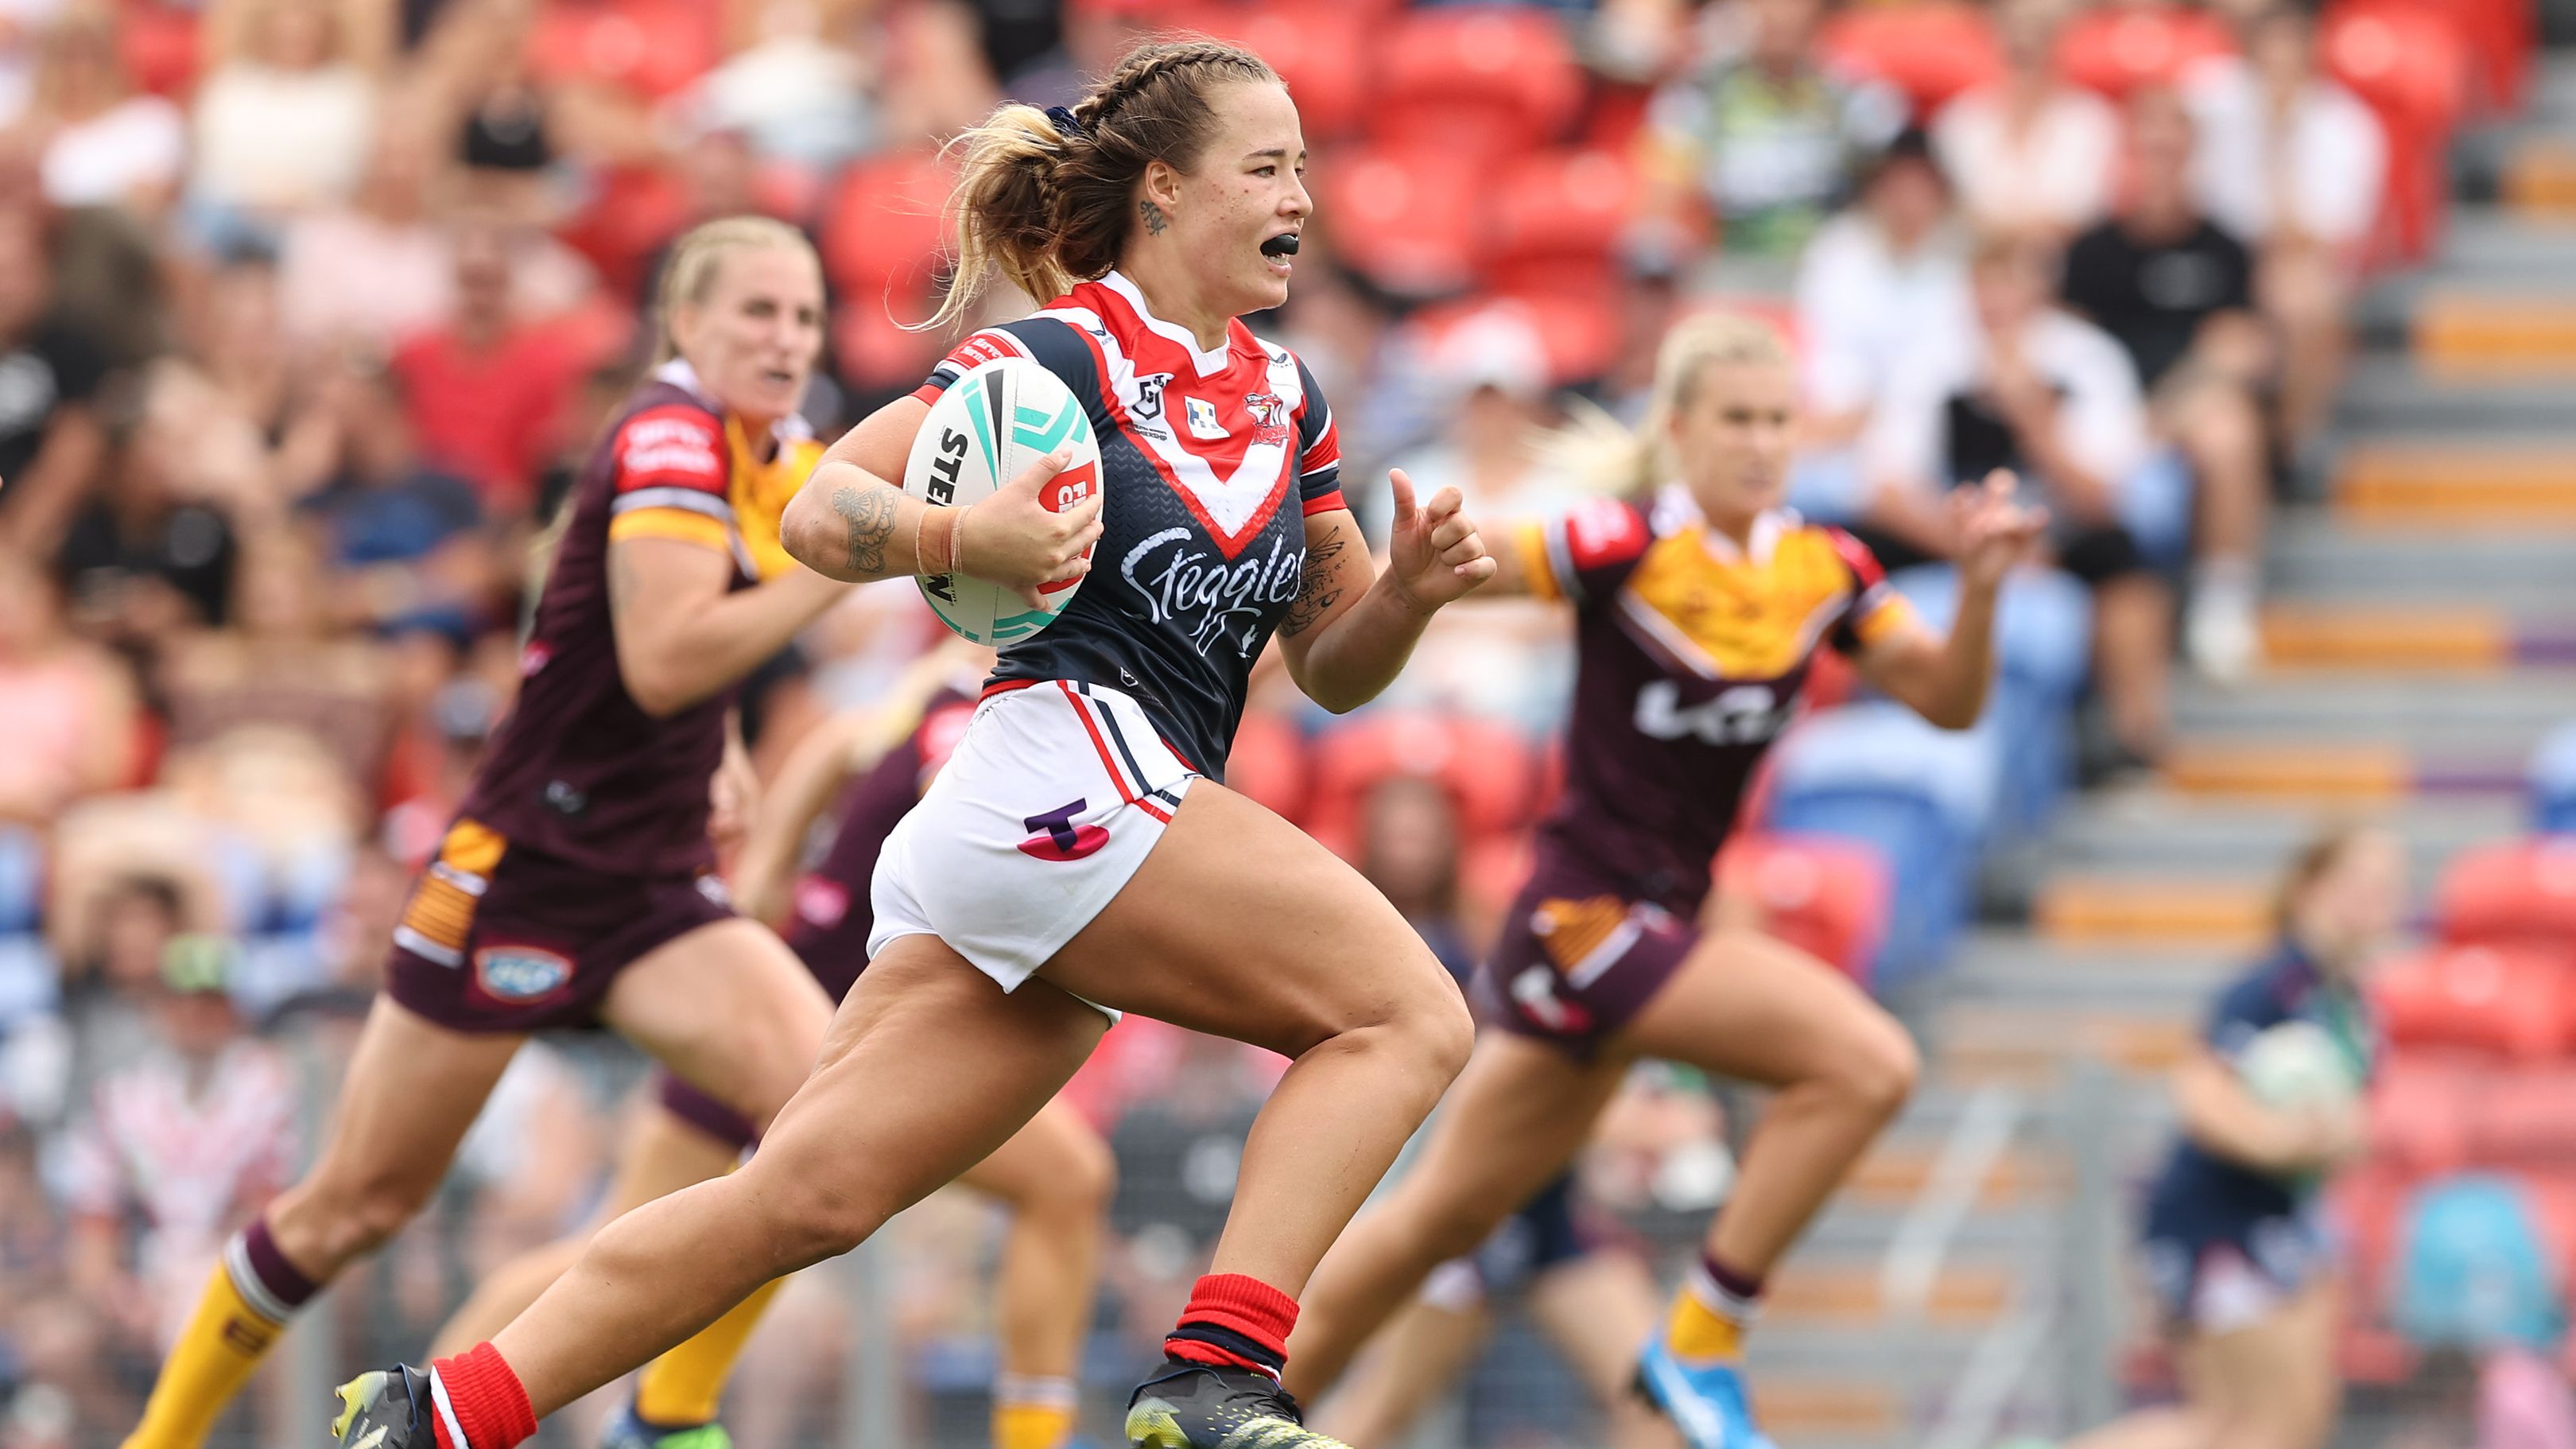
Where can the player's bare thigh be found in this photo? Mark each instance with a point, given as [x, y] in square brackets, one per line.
[1240, 925]
[730, 1009]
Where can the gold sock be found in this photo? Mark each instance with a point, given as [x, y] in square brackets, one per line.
[1033, 1412]
[1699, 1331]
[686, 1385]
[216, 1354]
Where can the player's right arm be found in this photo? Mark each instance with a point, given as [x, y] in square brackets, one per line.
[682, 632]
[2225, 1119]
[853, 521]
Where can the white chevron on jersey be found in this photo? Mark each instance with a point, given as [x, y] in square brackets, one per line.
[1233, 506]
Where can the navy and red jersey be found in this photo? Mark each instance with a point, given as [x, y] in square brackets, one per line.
[1210, 463]
[2202, 1198]
[579, 771]
[828, 913]
[1690, 654]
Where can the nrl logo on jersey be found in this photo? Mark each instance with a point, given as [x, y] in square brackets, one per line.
[1269, 418]
[1146, 412]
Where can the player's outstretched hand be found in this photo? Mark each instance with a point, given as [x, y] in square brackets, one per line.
[1014, 539]
[1994, 529]
[1433, 553]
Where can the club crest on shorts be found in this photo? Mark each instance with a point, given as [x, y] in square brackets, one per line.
[520, 973]
[1059, 838]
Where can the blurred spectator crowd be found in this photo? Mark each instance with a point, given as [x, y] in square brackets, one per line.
[308, 309]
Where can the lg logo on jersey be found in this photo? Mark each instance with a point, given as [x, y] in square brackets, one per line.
[1744, 715]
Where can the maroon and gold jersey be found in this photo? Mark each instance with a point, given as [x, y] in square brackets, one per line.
[1690, 656]
[579, 771]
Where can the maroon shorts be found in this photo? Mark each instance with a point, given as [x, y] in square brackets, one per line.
[497, 938]
[1576, 965]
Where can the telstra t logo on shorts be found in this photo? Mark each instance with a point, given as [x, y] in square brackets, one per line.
[1058, 838]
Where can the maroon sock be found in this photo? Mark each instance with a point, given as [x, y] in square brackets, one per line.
[1746, 1286]
[1233, 1322]
[477, 1396]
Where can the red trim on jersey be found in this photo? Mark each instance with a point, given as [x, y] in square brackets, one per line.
[1867, 572]
[675, 445]
[1229, 544]
[1326, 503]
[928, 392]
[1003, 687]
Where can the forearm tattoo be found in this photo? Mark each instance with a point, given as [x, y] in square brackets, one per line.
[1155, 221]
[1317, 590]
[870, 514]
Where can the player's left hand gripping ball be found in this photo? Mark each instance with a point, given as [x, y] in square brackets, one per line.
[1434, 554]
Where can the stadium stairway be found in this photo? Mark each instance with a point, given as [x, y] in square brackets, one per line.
[2421, 633]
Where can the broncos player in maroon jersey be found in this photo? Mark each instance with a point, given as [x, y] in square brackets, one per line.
[1699, 602]
[574, 886]
[866, 768]
[1079, 855]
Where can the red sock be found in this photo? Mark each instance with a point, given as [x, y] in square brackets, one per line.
[1233, 1322]
[477, 1395]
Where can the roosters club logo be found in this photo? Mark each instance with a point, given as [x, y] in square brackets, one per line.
[1059, 838]
[1269, 418]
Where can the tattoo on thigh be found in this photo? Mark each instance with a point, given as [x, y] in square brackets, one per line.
[1316, 590]
[1155, 221]
[870, 514]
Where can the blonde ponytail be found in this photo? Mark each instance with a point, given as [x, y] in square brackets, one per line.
[1603, 454]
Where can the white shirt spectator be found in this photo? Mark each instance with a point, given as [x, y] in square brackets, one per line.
[2057, 173]
[1863, 309]
[2101, 415]
[140, 143]
[2325, 165]
[191, 1151]
[22, 25]
[283, 139]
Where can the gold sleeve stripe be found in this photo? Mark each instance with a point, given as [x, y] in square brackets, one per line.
[1892, 614]
[1529, 540]
[676, 523]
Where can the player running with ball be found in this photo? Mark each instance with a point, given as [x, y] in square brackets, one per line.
[1078, 855]
[1699, 602]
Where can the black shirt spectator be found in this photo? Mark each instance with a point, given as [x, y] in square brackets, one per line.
[2153, 291]
[50, 437]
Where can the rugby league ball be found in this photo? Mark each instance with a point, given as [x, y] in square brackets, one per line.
[993, 422]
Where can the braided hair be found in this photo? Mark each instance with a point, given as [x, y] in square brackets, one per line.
[1045, 196]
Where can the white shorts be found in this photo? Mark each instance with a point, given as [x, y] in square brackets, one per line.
[1053, 798]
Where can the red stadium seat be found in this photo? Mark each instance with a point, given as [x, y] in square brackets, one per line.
[1475, 82]
[2115, 49]
[650, 47]
[1824, 895]
[1268, 763]
[2516, 892]
[2522, 1118]
[1930, 51]
[2494, 999]
[1311, 46]
[1560, 214]
[883, 228]
[878, 355]
[1407, 221]
[2412, 67]
[1485, 767]
[2419, 1115]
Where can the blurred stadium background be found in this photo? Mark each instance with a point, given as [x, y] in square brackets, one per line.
[305, 306]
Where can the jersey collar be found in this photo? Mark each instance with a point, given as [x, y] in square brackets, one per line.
[679, 374]
[1209, 362]
[1674, 502]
